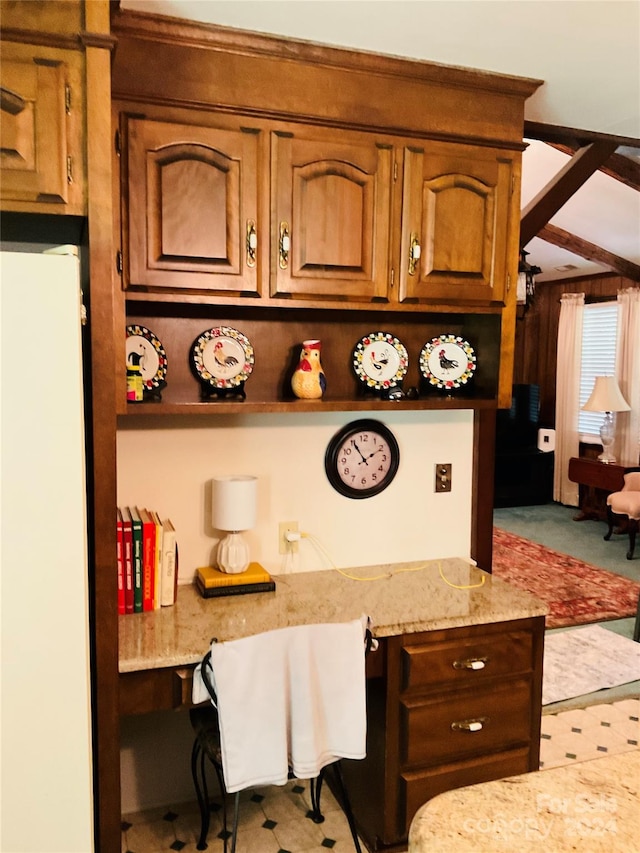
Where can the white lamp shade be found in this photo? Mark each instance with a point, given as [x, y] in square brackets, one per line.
[606, 396]
[234, 502]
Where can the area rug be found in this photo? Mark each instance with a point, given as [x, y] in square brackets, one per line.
[575, 592]
[585, 660]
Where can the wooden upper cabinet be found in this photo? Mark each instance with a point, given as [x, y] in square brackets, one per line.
[455, 222]
[192, 218]
[331, 209]
[41, 156]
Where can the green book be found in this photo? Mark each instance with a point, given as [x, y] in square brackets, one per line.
[136, 526]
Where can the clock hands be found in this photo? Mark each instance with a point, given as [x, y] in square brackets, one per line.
[361, 454]
[364, 458]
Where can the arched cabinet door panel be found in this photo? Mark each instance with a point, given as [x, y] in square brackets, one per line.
[331, 208]
[456, 210]
[192, 213]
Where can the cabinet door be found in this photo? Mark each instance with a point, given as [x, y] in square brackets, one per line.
[331, 208]
[33, 130]
[455, 216]
[191, 207]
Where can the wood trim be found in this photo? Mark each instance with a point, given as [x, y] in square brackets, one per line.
[482, 487]
[248, 73]
[161, 28]
[102, 450]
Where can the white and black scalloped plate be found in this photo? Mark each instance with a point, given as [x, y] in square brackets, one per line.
[380, 360]
[223, 357]
[448, 362]
[145, 348]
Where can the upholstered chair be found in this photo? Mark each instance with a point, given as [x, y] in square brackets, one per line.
[626, 503]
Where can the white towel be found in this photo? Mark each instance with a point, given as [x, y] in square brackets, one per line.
[290, 696]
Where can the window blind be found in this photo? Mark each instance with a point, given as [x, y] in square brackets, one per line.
[599, 334]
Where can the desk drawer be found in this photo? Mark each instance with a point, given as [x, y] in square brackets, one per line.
[451, 727]
[467, 661]
[155, 690]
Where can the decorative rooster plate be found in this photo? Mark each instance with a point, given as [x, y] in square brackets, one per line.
[222, 357]
[447, 362]
[380, 360]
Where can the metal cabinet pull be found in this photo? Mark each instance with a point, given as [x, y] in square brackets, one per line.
[285, 245]
[471, 663]
[414, 254]
[252, 243]
[470, 726]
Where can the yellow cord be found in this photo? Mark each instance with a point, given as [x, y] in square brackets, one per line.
[386, 575]
[466, 586]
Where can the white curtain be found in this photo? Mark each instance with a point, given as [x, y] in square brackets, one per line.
[628, 374]
[568, 396]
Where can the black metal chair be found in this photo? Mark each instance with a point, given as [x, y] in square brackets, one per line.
[207, 747]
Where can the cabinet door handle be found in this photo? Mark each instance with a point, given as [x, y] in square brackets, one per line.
[470, 726]
[471, 663]
[414, 254]
[252, 243]
[285, 245]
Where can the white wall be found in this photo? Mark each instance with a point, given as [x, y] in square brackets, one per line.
[168, 464]
[169, 468]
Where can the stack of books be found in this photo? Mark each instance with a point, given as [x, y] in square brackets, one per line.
[213, 583]
[147, 559]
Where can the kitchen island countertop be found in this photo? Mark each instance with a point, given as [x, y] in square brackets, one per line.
[400, 598]
[587, 805]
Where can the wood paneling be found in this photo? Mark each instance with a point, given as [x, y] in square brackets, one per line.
[537, 333]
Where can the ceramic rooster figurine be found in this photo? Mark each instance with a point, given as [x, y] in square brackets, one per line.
[308, 381]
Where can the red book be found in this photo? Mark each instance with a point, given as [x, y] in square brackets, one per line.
[127, 541]
[148, 558]
[120, 560]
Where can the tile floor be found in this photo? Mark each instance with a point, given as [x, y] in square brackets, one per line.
[272, 820]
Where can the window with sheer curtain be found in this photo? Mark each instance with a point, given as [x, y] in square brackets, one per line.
[599, 338]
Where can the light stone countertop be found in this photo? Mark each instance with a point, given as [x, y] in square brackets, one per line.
[410, 597]
[588, 805]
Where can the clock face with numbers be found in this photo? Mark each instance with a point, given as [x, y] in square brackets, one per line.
[362, 459]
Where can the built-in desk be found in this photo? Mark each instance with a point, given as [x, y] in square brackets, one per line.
[469, 649]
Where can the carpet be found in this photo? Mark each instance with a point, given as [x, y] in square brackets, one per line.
[585, 660]
[575, 592]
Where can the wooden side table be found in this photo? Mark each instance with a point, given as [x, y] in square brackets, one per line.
[597, 478]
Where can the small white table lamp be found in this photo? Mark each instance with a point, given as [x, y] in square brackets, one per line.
[606, 397]
[234, 510]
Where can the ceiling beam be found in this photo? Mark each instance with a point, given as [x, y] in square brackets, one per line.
[622, 168]
[559, 190]
[589, 251]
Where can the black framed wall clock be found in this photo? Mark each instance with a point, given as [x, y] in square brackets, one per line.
[362, 459]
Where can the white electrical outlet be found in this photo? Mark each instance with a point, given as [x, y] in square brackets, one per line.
[284, 546]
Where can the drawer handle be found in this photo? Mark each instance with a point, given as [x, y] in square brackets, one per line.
[470, 725]
[470, 663]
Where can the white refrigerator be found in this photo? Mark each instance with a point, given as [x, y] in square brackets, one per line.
[46, 765]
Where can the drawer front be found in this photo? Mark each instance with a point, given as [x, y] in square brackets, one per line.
[454, 726]
[468, 661]
[420, 786]
[155, 690]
